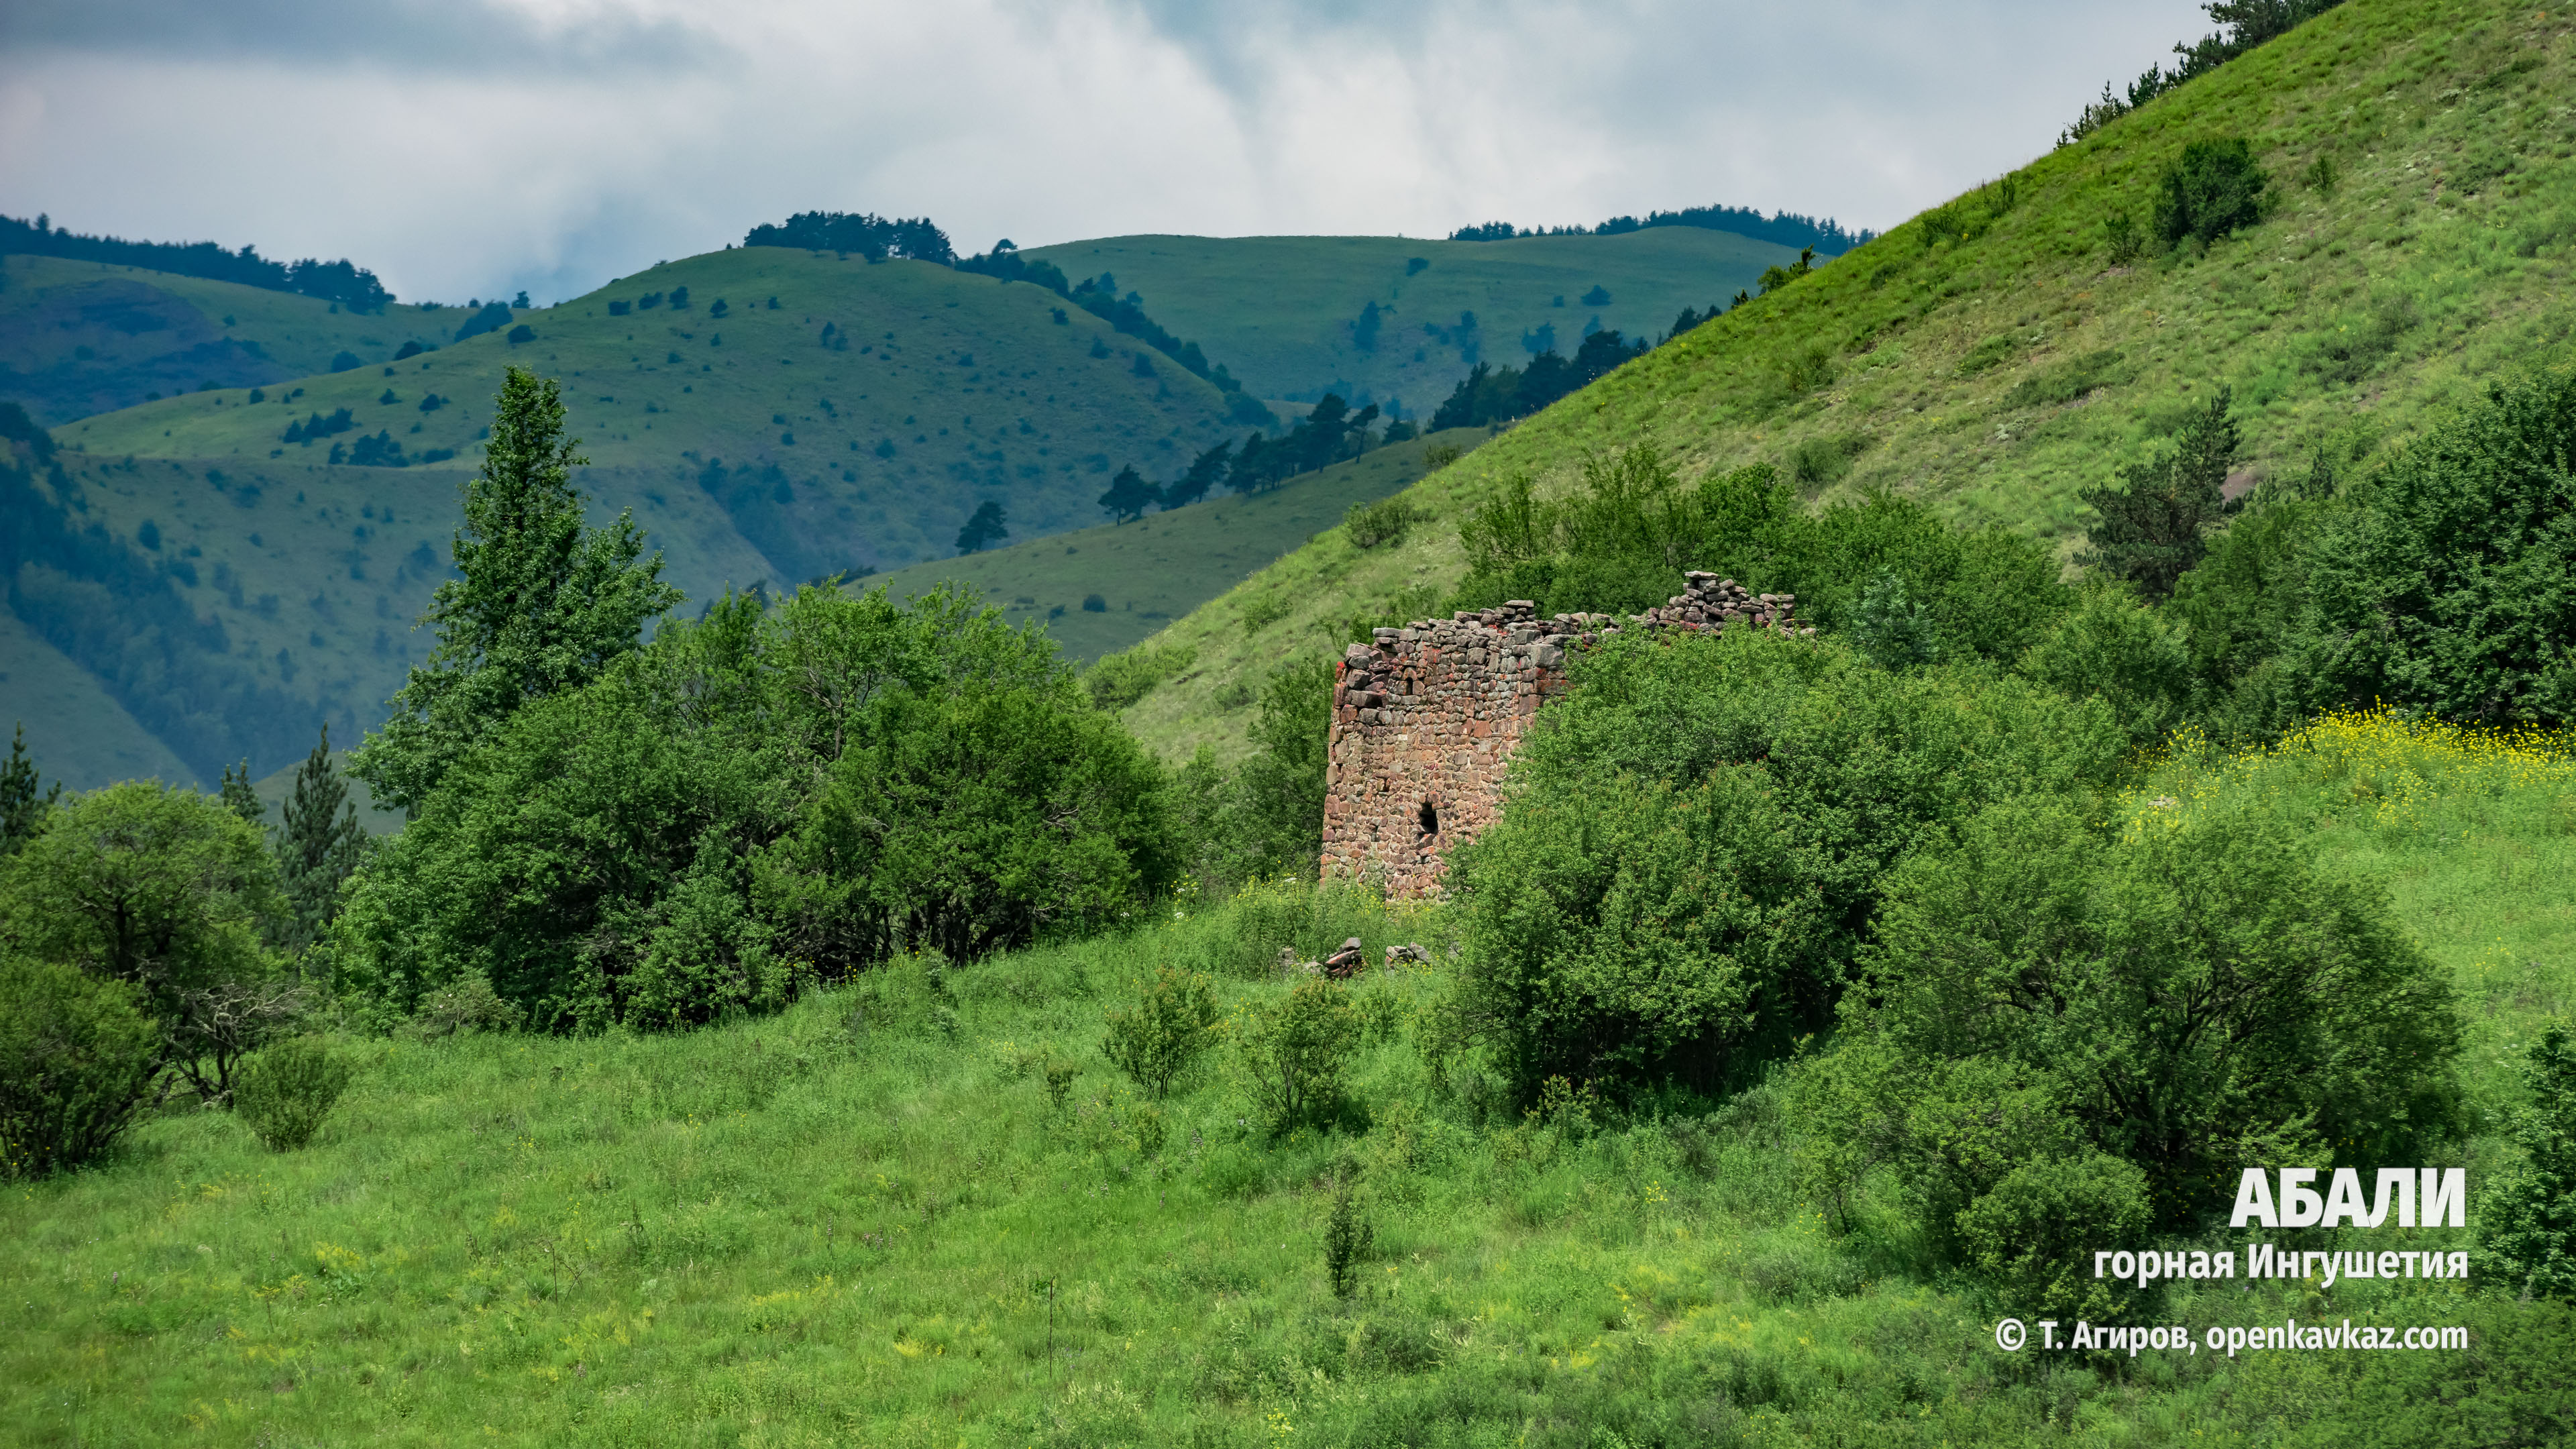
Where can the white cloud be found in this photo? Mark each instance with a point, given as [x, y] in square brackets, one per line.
[474, 148]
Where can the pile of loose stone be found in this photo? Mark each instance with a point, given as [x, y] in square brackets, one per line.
[1706, 602]
[1709, 602]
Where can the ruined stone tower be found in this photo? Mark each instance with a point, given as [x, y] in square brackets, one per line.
[1426, 717]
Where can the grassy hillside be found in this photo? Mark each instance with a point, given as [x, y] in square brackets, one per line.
[857, 421]
[78, 338]
[867, 1220]
[313, 577]
[851, 426]
[1147, 572]
[76, 731]
[1992, 360]
[1285, 312]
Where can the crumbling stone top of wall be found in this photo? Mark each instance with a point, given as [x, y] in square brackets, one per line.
[1706, 602]
[1425, 719]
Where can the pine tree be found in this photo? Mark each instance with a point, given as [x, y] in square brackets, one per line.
[543, 606]
[2154, 525]
[319, 845]
[1129, 496]
[22, 809]
[239, 797]
[986, 528]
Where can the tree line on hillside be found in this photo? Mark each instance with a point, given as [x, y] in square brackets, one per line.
[2243, 25]
[343, 281]
[1489, 395]
[917, 239]
[1332, 432]
[1784, 228]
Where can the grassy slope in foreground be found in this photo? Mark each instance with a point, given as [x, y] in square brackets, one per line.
[2441, 256]
[845, 1225]
[1164, 564]
[1283, 311]
[78, 338]
[866, 444]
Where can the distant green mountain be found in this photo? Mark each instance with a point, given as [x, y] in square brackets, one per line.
[845, 415]
[1383, 319]
[235, 567]
[1101, 589]
[82, 337]
[213, 574]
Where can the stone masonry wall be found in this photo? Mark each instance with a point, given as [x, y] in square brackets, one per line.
[1426, 718]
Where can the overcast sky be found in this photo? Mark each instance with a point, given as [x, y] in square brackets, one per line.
[472, 147]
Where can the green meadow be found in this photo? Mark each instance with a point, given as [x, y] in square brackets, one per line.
[874, 1219]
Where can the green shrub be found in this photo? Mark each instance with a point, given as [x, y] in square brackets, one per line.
[76, 1054]
[1347, 1240]
[1262, 611]
[2451, 581]
[1698, 838]
[2032, 1236]
[1292, 1049]
[1803, 370]
[170, 892]
[2527, 1216]
[1955, 222]
[464, 1005]
[1274, 818]
[1116, 681]
[761, 798]
[1156, 1039]
[1384, 521]
[286, 1090]
[1986, 355]
[2356, 348]
[2212, 189]
[2066, 381]
[1619, 543]
[1893, 630]
[2133, 658]
[2122, 242]
[1815, 462]
[1439, 456]
[2194, 990]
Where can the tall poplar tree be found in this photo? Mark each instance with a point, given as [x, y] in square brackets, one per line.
[318, 846]
[543, 604]
[22, 807]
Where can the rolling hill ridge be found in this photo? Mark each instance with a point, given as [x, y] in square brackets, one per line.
[1994, 356]
[1396, 320]
[771, 415]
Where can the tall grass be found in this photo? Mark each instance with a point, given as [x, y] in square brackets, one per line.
[865, 1220]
